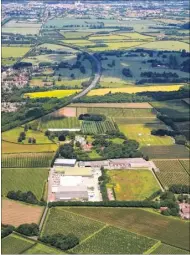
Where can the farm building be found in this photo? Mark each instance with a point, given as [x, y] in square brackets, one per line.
[184, 210]
[99, 164]
[71, 193]
[74, 171]
[65, 162]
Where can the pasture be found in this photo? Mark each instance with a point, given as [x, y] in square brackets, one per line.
[111, 240]
[26, 160]
[40, 248]
[142, 134]
[166, 152]
[98, 127]
[167, 249]
[142, 222]
[15, 244]
[8, 147]
[75, 34]
[13, 134]
[166, 45]
[14, 52]
[171, 172]
[133, 89]
[16, 213]
[25, 179]
[64, 222]
[132, 184]
[52, 93]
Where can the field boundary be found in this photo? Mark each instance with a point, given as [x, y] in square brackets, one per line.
[104, 222]
[156, 245]
[183, 166]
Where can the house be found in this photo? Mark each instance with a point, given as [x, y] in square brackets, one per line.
[65, 162]
[184, 210]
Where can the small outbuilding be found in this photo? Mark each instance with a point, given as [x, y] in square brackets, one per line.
[65, 162]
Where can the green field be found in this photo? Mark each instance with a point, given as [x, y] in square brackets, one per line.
[171, 172]
[58, 122]
[8, 147]
[132, 184]
[167, 249]
[142, 222]
[166, 45]
[40, 248]
[25, 179]
[142, 134]
[118, 112]
[75, 34]
[98, 127]
[14, 244]
[13, 134]
[25, 160]
[111, 240]
[175, 109]
[166, 152]
[57, 47]
[14, 52]
[61, 221]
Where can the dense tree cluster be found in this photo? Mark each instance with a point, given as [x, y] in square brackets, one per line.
[61, 241]
[127, 72]
[67, 151]
[180, 189]
[103, 180]
[28, 229]
[168, 200]
[27, 197]
[6, 230]
[91, 117]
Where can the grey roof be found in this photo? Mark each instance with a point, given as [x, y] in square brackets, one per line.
[68, 195]
[79, 188]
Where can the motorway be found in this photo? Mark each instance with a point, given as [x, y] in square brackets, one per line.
[94, 81]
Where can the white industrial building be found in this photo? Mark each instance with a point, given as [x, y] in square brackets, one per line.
[65, 162]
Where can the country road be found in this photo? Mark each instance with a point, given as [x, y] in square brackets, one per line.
[94, 81]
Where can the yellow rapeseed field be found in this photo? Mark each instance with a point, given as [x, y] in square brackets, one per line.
[52, 93]
[130, 90]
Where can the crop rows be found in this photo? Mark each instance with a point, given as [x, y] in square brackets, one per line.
[167, 249]
[186, 165]
[171, 172]
[27, 160]
[14, 244]
[166, 152]
[97, 127]
[71, 122]
[118, 112]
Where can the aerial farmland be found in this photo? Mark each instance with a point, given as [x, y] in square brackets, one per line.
[95, 127]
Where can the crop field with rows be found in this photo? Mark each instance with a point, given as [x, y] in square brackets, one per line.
[167, 249]
[18, 160]
[166, 152]
[186, 165]
[25, 179]
[171, 172]
[40, 248]
[98, 127]
[60, 122]
[61, 221]
[111, 240]
[140, 221]
[14, 244]
[118, 112]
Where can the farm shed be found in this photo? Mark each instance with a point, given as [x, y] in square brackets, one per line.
[71, 193]
[65, 162]
[103, 163]
[74, 171]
